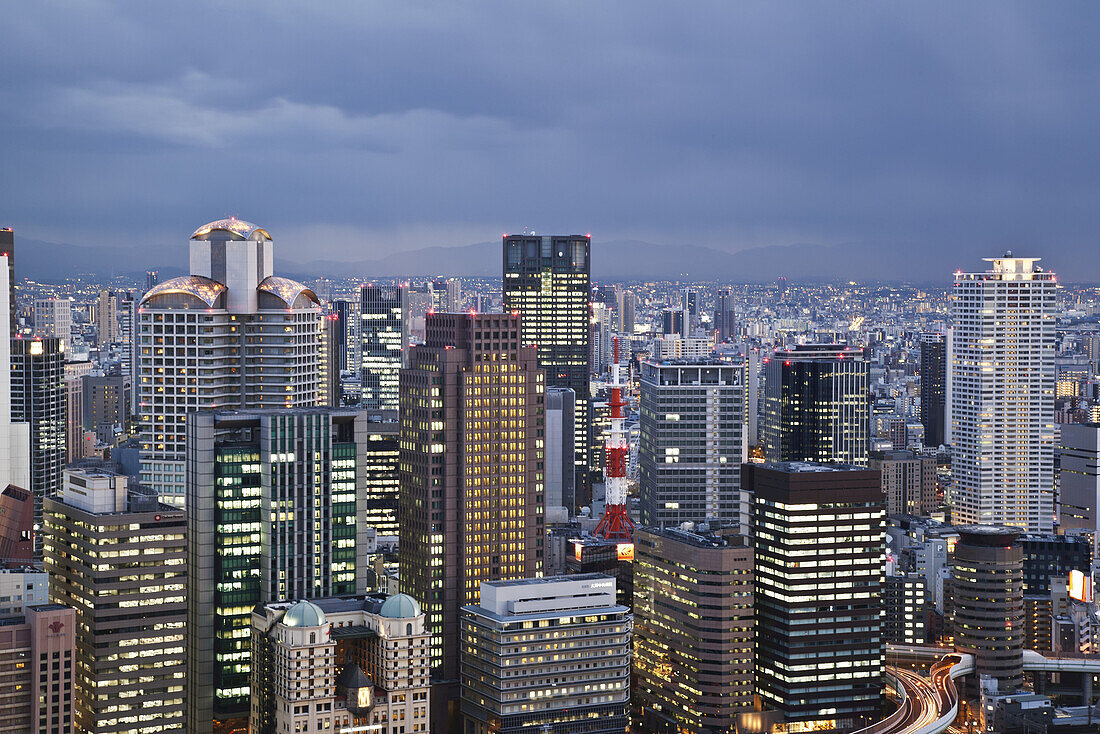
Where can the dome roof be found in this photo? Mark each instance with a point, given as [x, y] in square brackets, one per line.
[237, 229]
[285, 289]
[400, 606]
[304, 614]
[204, 289]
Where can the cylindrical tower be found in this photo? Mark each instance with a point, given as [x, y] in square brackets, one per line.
[989, 602]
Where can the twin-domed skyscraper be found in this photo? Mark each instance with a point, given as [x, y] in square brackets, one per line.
[232, 334]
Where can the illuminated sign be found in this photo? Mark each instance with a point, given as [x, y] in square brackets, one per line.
[1080, 586]
[625, 551]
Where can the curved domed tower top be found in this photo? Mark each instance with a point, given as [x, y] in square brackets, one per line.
[237, 254]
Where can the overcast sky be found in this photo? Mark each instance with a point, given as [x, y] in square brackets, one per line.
[351, 130]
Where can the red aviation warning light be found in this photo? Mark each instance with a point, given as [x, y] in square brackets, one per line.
[615, 523]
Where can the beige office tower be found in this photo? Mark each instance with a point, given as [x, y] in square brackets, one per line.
[1001, 395]
[230, 335]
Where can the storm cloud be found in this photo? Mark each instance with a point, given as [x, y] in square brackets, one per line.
[352, 130]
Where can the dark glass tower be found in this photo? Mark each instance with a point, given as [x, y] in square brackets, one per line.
[816, 404]
[384, 337]
[547, 280]
[933, 384]
[725, 320]
[820, 536]
[39, 397]
[274, 498]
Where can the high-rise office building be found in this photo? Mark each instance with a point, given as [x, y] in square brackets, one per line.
[106, 401]
[820, 543]
[472, 494]
[348, 664]
[230, 335]
[547, 280]
[672, 321]
[328, 391]
[54, 317]
[7, 250]
[384, 338]
[1048, 557]
[560, 437]
[933, 387]
[693, 670]
[546, 654]
[347, 353]
[129, 622]
[17, 528]
[1079, 482]
[36, 670]
[692, 442]
[15, 440]
[689, 304]
[816, 405]
[39, 398]
[908, 481]
[152, 278]
[75, 439]
[446, 295]
[106, 318]
[276, 510]
[381, 466]
[988, 593]
[628, 303]
[725, 318]
[1001, 376]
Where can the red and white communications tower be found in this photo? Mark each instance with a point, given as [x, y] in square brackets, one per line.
[615, 523]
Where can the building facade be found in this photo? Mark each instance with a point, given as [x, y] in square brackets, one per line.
[382, 470]
[546, 654]
[820, 541]
[933, 387]
[725, 318]
[130, 661]
[1079, 483]
[39, 398]
[561, 429]
[230, 335]
[692, 442]
[1001, 374]
[53, 317]
[36, 666]
[276, 510]
[384, 339]
[547, 280]
[908, 481]
[472, 493]
[348, 664]
[816, 405]
[988, 594]
[694, 671]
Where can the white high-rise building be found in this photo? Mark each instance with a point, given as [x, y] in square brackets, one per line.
[230, 335]
[15, 438]
[1001, 375]
[53, 317]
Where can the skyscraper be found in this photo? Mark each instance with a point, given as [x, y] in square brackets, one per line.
[692, 442]
[276, 510]
[820, 543]
[560, 431]
[230, 335]
[547, 280]
[15, 440]
[627, 305]
[471, 468]
[36, 666]
[816, 404]
[106, 318]
[908, 481]
[384, 337]
[1079, 482]
[380, 465]
[725, 319]
[694, 671]
[129, 624]
[933, 387]
[988, 591]
[1002, 395]
[7, 249]
[39, 398]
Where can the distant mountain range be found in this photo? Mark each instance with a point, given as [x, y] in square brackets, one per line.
[612, 260]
